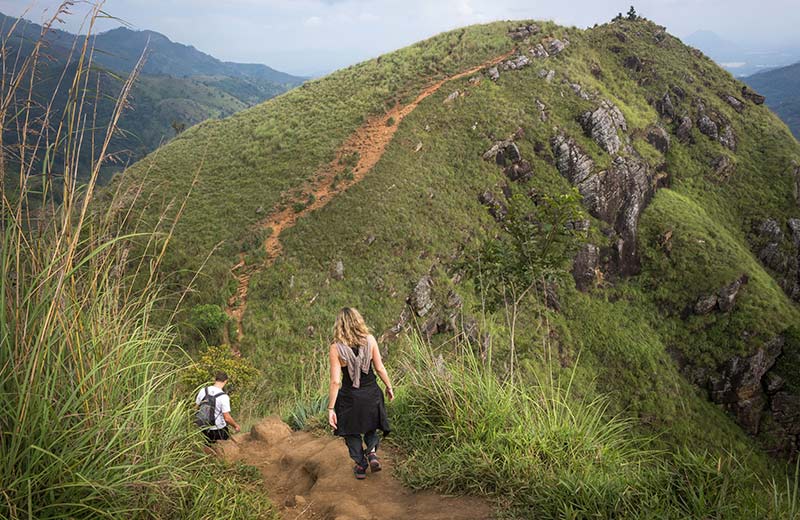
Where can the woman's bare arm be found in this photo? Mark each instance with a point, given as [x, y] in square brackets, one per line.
[377, 362]
[336, 382]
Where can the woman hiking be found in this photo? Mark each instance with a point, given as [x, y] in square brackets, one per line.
[355, 401]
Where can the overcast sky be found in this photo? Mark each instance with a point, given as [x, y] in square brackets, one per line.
[314, 36]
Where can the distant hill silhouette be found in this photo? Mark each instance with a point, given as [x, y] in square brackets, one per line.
[782, 88]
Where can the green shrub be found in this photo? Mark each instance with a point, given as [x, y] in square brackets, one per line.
[208, 319]
[242, 376]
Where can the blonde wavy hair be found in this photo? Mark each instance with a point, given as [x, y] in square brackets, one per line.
[350, 328]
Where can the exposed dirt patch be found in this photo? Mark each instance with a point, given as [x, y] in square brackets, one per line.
[310, 477]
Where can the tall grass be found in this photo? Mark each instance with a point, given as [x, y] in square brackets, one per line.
[91, 425]
[543, 452]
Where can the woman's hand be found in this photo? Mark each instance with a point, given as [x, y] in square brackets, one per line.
[332, 418]
[390, 392]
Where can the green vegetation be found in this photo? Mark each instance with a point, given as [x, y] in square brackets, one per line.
[94, 423]
[417, 213]
[541, 450]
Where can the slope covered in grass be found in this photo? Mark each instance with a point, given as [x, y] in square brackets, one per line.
[629, 338]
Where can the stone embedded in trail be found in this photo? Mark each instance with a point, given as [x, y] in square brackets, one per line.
[658, 138]
[421, 299]
[523, 31]
[585, 267]
[753, 96]
[684, 131]
[602, 124]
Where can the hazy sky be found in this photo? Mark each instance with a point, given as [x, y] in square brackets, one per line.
[312, 36]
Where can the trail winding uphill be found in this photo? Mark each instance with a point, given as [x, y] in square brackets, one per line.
[309, 477]
[360, 152]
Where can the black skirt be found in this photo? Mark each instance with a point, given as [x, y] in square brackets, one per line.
[360, 410]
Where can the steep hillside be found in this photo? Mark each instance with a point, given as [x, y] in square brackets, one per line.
[682, 306]
[781, 86]
[179, 86]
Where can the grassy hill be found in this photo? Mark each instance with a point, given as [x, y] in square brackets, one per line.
[782, 88]
[685, 322]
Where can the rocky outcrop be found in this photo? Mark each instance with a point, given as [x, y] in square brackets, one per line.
[723, 168]
[616, 196]
[524, 31]
[796, 184]
[634, 63]
[602, 124]
[733, 101]
[516, 62]
[664, 107]
[658, 138]
[707, 126]
[497, 208]
[737, 384]
[421, 298]
[337, 271]
[585, 267]
[493, 73]
[727, 138]
[722, 300]
[539, 51]
[684, 130]
[752, 96]
[780, 253]
[506, 154]
[555, 46]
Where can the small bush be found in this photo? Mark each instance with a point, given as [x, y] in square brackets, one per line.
[390, 121]
[208, 319]
[241, 373]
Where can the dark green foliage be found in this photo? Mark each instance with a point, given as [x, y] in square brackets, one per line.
[208, 319]
[536, 242]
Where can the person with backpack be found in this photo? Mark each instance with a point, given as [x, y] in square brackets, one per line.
[214, 410]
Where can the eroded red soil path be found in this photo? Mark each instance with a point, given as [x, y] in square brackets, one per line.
[360, 152]
[309, 477]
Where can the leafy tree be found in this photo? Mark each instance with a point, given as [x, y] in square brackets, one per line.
[536, 241]
[241, 372]
[632, 14]
[178, 126]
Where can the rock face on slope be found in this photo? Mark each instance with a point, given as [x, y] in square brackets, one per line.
[617, 195]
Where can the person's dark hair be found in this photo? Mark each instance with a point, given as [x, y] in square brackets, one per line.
[220, 376]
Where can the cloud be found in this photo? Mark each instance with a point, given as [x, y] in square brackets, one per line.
[313, 21]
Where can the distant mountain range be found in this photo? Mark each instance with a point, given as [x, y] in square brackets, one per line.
[782, 88]
[742, 59]
[179, 86]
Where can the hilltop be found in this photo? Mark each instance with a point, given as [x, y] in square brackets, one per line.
[682, 302]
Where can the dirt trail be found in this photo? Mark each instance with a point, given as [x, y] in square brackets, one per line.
[310, 477]
[360, 152]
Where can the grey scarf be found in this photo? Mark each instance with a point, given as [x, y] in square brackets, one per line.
[356, 363]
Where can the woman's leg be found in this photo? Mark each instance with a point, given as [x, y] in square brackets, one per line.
[356, 449]
[372, 440]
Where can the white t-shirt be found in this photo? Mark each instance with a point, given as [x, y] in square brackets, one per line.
[223, 405]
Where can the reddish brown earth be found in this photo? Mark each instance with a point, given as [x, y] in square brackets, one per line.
[369, 142]
[309, 477]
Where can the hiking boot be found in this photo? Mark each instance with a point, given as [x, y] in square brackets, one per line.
[360, 471]
[374, 462]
